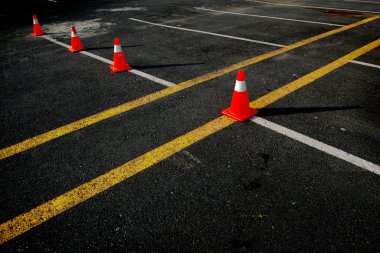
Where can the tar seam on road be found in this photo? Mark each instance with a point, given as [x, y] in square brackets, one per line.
[318, 145]
[238, 38]
[82, 123]
[311, 7]
[269, 17]
[58, 205]
[102, 59]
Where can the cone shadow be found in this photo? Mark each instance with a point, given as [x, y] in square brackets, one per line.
[111, 47]
[165, 65]
[58, 33]
[300, 110]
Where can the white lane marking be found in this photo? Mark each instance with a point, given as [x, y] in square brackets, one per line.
[209, 33]
[238, 38]
[47, 37]
[124, 9]
[356, 1]
[313, 7]
[99, 58]
[152, 78]
[270, 17]
[318, 145]
[53, 1]
[366, 64]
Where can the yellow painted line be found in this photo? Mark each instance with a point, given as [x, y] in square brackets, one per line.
[306, 79]
[82, 123]
[58, 205]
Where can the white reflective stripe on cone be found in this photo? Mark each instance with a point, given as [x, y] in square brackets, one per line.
[117, 49]
[73, 34]
[35, 21]
[240, 86]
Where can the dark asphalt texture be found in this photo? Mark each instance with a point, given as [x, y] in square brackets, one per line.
[245, 188]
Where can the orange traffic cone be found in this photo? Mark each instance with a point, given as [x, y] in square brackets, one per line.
[239, 108]
[76, 44]
[119, 62]
[37, 30]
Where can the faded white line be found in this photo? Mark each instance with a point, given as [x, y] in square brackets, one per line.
[318, 145]
[191, 156]
[99, 58]
[312, 7]
[269, 17]
[209, 33]
[356, 1]
[238, 38]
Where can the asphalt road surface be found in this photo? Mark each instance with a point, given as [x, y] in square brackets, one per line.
[95, 161]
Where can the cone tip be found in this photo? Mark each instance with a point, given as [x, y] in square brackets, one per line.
[34, 17]
[240, 75]
[73, 29]
[116, 41]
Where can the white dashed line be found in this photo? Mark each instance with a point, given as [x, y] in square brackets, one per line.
[270, 17]
[312, 7]
[318, 145]
[99, 58]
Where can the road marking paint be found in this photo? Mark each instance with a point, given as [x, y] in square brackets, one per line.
[82, 123]
[124, 9]
[311, 7]
[191, 156]
[152, 78]
[209, 33]
[306, 79]
[318, 145]
[357, 1]
[366, 64]
[58, 205]
[239, 38]
[97, 57]
[270, 17]
[47, 37]
[102, 59]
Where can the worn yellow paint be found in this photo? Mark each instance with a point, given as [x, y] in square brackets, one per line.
[54, 207]
[82, 123]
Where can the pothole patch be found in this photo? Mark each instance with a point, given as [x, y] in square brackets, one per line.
[86, 29]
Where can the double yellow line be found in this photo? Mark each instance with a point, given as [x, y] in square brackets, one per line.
[82, 123]
[56, 206]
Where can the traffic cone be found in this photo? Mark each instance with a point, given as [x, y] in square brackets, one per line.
[239, 108]
[119, 62]
[76, 44]
[37, 30]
